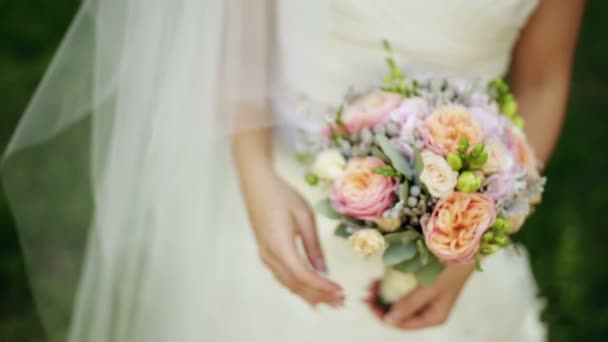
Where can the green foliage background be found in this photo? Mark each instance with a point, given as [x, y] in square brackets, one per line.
[566, 236]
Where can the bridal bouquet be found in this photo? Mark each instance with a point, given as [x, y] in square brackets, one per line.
[426, 172]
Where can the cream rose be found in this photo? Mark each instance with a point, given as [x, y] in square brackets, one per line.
[497, 157]
[438, 176]
[396, 284]
[367, 242]
[329, 164]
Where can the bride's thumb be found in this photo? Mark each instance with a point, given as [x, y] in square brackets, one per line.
[307, 228]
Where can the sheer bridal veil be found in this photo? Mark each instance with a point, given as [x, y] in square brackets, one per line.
[124, 146]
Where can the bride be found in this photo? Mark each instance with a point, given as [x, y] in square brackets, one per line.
[132, 132]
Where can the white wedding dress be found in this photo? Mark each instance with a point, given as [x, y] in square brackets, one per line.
[470, 39]
[200, 290]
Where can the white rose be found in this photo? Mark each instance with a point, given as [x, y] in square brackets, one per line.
[438, 176]
[396, 284]
[497, 160]
[329, 164]
[367, 242]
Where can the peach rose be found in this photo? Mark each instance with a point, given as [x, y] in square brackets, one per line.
[370, 110]
[360, 192]
[454, 230]
[523, 152]
[443, 129]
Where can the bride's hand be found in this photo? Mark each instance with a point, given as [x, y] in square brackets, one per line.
[429, 306]
[279, 216]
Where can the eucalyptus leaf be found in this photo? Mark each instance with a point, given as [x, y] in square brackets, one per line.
[404, 190]
[397, 253]
[423, 252]
[428, 274]
[402, 237]
[324, 208]
[419, 164]
[397, 159]
[342, 230]
[409, 266]
[376, 152]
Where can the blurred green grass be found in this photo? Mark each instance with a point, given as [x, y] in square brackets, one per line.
[565, 237]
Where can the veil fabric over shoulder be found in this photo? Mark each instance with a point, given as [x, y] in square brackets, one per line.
[133, 114]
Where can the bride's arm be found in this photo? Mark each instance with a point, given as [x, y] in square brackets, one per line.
[277, 213]
[541, 79]
[278, 217]
[541, 70]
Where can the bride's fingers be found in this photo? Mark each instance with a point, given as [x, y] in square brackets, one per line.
[429, 316]
[305, 221]
[409, 306]
[283, 276]
[305, 277]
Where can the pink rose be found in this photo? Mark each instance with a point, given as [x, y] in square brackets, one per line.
[360, 192]
[370, 110]
[454, 230]
[443, 129]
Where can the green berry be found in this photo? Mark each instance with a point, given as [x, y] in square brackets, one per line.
[468, 182]
[454, 161]
[501, 225]
[488, 237]
[312, 179]
[501, 240]
[486, 250]
[477, 150]
[518, 121]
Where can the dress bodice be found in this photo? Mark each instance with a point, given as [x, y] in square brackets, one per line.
[324, 47]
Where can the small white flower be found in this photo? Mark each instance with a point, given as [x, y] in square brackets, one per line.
[438, 176]
[329, 164]
[396, 284]
[367, 242]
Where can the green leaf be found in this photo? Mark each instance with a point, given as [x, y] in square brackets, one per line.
[464, 146]
[397, 253]
[411, 266]
[428, 274]
[423, 252]
[324, 208]
[339, 121]
[399, 162]
[304, 157]
[402, 237]
[419, 164]
[478, 263]
[342, 231]
[376, 152]
[387, 171]
[404, 190]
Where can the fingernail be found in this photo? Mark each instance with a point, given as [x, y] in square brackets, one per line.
[320, 266]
